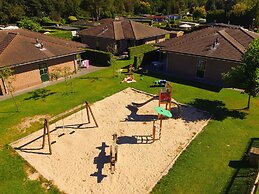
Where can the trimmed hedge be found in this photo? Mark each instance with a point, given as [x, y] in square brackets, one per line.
[137, 50]
[98, 58]
[146, 58]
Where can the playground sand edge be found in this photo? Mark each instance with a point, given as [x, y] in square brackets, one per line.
[80, 160]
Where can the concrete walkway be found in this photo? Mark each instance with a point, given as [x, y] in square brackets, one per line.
[49, 83]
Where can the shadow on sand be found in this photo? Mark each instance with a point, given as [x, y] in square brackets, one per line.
[135, 117]
[135, 139]
[100, 161]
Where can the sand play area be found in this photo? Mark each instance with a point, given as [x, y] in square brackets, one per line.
[80, 153]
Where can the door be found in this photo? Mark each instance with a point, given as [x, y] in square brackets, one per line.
[200, 69]
[44, 73]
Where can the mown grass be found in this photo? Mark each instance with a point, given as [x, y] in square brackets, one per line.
[202, 168]
[62, 34]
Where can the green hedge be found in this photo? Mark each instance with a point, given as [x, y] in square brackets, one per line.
[137, 50]
[146, 58]
[98, 58]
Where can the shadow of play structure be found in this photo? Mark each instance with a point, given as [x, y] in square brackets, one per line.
[47, 132]
[100, 161]
[164, 98]
[103, 159]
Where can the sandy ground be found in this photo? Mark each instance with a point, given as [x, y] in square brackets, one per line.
[80, 159]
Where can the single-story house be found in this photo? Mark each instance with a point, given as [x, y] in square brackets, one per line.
[205, 54]
[118, 35]
[32, 56]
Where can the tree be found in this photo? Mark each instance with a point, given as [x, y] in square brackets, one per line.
[246, 75]
[6, 74]
[29, 24]
[65, 73]
[239, 9]
[199, 12]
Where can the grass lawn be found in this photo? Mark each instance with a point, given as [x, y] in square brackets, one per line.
[62, 34]
[202, 168]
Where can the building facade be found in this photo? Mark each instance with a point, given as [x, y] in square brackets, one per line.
[38, 56]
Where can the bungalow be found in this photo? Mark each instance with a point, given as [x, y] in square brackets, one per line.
[33, 55]
[117, 35]
[205, 54]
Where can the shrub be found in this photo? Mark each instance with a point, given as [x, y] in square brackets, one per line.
[138, 60]
[98, 58]
[137, 50]
[47, 21]
[72, 18]
[145, 58]
[29, 24]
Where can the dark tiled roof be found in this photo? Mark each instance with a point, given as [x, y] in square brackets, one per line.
[19, 46]
[233, 41]
[125, 29]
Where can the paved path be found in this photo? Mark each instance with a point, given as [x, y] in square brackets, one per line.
[49, 83]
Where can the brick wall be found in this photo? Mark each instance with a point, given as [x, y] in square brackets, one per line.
[26, 76]
[184, 66]
[29, 75]
[62, 62]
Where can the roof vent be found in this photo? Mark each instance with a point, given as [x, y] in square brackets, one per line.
[215, 44]
[37, 44]
[42, 47]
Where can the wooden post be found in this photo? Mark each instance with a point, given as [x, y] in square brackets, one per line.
[47, 126]
[87, 112]
[91, 113]
[46, 132]
[154, 131]
[160, 129]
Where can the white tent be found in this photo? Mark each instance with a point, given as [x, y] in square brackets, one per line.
[10, 28]
[185, 26]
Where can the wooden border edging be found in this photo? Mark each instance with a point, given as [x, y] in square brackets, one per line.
[255, 187]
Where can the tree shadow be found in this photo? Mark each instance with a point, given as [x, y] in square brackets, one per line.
[40, 94]
[245, 174]
[217, 109]
[100, 161]
[92, 78]
[135, 117]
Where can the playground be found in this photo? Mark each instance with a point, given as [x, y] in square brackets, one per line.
[82, 154]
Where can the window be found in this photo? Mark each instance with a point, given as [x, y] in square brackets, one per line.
[200, 68]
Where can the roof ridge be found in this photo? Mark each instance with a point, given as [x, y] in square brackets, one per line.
[67, 45]
[114, 30]
[132, 29]
[247, 32]
[192, 38]
[232, 41]
[8, 39]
